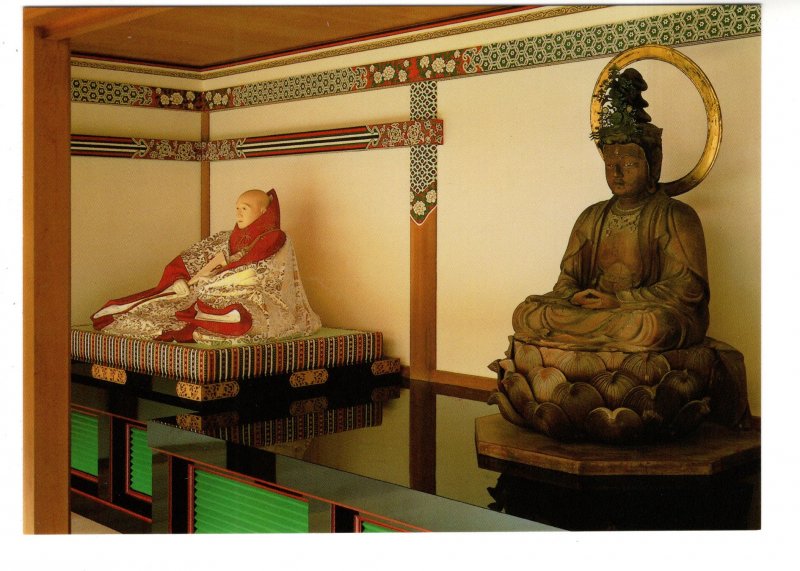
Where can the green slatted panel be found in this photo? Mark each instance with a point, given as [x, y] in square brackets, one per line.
[222, 505]
[83, 442]
[375, 528]
[141, 462]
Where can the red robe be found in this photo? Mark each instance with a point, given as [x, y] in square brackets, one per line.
[258, 241]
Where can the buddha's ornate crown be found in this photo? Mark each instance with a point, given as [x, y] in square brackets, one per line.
[623, 118]
[622, 115]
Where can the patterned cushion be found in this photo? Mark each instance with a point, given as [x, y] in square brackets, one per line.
[203, 364]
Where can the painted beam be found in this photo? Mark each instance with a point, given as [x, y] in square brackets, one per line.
[368, 137]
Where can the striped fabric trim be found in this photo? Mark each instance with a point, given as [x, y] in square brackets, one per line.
[87, 145]
[292, 428]
[354, 138]
[202, 365]
[361, 138]
[136, 148]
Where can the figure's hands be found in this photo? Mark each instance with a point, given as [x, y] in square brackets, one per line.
[181, 288]
[214, 266]
[594, 299]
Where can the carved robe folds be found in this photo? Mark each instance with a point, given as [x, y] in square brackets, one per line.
[665, 303]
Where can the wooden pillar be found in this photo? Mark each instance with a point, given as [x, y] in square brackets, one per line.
[423, 298]
[46, 283]
[205, 177]
[423, 183]
[422, 323]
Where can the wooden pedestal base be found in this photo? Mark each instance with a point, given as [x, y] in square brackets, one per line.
[712, 449]
[709, 480]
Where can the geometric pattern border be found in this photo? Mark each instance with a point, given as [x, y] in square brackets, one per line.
[412, 133]
[424, 100]
[424, 185]
[700, 25]
[423, 165]
[115, 93]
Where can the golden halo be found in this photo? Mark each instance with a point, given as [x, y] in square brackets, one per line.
[704, 88]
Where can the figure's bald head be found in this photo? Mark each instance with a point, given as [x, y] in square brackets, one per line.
[250, 205]
[258, 198]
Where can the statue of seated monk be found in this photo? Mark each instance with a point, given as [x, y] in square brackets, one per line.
[238, 286]
[618, 350]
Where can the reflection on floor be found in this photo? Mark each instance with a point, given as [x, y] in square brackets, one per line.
[84, 526]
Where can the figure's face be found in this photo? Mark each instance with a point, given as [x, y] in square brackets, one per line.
[627, 171]
[248, 208]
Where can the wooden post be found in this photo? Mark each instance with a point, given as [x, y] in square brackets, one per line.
[422, 167]
[422, 323]
[205, 177]
[423, 298]
[46, 283]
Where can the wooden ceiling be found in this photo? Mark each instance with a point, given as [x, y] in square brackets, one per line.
[205, 37]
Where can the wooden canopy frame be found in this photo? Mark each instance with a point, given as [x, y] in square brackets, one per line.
[46, 256]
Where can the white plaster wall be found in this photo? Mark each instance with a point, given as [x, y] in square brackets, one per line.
[516, 170]
[121, 121]
[129, 219]
[348, 110]
[346, 212]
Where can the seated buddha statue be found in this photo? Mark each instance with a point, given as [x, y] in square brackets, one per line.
[633, 277]
[624, 329]
[236, 286]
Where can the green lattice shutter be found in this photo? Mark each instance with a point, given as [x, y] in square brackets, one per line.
[141, 462]
[367, 527]
[222, 505]
[83, 442]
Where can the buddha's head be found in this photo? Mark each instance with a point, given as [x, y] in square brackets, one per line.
[628, 170]
[633, 168]
[250, 205]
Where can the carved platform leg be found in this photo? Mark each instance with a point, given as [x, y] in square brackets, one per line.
[110, 374]
[202, 393]
[308, 378]
[385, 367]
